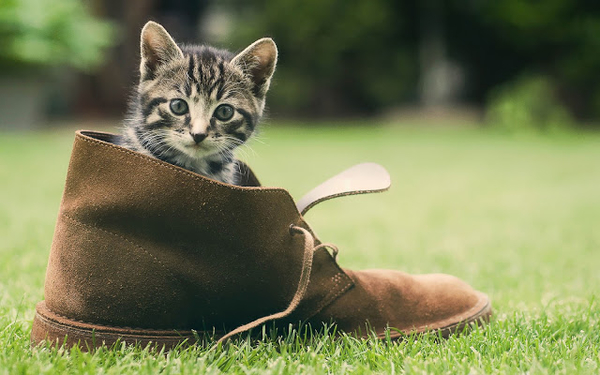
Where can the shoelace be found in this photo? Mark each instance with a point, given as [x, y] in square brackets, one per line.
[309, 250]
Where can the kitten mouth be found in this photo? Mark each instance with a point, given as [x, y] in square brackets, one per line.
[199, 149]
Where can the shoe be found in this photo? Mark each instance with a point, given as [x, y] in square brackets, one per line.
[146, 252]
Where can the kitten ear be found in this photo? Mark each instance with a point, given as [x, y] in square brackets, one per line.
[157, 47]
[258, 62]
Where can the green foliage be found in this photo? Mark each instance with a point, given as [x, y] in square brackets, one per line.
[341, 57]
[526, 21]
[50, 33]
[559, 37]
[528, 104]
[336, 57]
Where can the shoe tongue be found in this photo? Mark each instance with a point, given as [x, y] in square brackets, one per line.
[359, 179]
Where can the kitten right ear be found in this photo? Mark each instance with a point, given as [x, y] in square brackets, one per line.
[258, 62]
[157, 47]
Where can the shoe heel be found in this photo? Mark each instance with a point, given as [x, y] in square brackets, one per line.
[57, 330]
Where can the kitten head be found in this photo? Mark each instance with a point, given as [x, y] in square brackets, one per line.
[196, 101]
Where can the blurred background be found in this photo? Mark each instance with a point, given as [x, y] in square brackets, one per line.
[515, 65]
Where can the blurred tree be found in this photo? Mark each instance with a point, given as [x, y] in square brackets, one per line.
[527, 105]
[337, 57]
[498, 41]
[38, 33]
[38, 39]
[345, 57]
[106, 92]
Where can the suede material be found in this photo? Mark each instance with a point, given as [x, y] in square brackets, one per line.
[410, 303]
[362, 178]
[141, 243]
[144, 244]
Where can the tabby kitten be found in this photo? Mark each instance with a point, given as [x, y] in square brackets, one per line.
[195, 104]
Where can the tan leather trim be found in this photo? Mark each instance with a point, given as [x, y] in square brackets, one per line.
[360, 179]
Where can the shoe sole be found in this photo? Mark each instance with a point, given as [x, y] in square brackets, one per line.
[481, 317]
[61, 331]
[57, 330]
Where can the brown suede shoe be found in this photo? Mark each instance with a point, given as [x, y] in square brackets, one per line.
[148, 252]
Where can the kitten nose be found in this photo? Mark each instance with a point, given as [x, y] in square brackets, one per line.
[198, 137]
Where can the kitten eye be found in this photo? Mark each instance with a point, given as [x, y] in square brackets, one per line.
[179, 107]
[224, 112]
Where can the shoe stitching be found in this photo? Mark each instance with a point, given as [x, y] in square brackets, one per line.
[328, 297]
[305, 273]
[78, 222]
[178, 170]
[335, 292]
[114, 327]
[467, 320]
[336, 279]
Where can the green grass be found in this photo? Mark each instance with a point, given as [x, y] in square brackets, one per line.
[516, 218]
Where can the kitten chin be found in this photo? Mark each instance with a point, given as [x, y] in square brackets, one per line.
[194, 105]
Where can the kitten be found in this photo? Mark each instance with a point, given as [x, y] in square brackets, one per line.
[195, 104]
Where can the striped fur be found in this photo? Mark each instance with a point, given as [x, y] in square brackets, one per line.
[206, 79]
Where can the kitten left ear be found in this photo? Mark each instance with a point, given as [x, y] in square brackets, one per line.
[157, 47]
[258, 62]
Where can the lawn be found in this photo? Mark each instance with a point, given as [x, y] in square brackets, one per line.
[518, 218]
